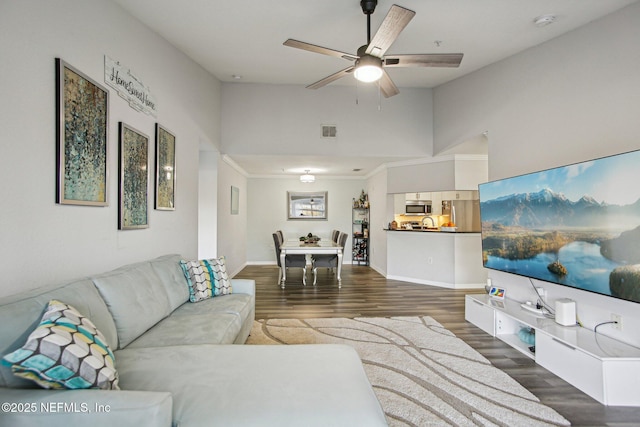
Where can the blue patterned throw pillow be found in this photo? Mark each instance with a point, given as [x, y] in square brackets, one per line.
[206, 278]
[219, 269]
[66, 350]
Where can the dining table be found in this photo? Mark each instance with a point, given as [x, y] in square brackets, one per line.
[298, 247]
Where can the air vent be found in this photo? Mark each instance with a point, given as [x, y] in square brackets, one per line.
[329, 131]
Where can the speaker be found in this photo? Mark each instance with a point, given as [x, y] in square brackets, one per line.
[566, 312]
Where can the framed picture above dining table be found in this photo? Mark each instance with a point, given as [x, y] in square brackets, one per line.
[307, 205]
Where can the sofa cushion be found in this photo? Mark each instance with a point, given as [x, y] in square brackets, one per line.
[20, 314]
[269, 385]
[217, 320]
[172, 278]
[65, 351]
[214, 328]
[206, 278]
[136, 299]
[238, 304]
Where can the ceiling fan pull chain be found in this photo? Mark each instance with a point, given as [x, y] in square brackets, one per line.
[379, 97]
[357, 91]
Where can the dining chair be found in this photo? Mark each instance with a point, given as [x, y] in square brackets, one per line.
[327, 261]
[334, 235]
[281, 235]
[289, 260]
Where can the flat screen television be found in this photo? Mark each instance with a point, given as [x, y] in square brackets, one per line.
[576, 225]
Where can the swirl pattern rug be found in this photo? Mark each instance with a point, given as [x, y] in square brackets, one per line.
[422, 374]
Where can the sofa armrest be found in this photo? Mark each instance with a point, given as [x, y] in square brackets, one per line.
[97, 408]
[244, 286]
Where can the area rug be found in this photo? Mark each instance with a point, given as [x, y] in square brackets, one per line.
[422, 374]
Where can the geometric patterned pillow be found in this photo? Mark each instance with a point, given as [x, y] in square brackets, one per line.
[206, 278]
[66, 350]
[219, 269]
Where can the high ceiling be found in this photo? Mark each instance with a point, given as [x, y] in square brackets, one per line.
[244, 38]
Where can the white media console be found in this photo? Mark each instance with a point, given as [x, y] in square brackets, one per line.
[606, 369]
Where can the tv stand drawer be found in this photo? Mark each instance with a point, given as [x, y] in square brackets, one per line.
[480, 315]
[571, 364]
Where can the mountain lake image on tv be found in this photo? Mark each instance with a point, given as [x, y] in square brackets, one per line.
[576, 225]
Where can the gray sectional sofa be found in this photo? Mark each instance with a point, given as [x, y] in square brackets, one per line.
[176, 361]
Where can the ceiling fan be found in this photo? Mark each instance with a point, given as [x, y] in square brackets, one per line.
[371, 60]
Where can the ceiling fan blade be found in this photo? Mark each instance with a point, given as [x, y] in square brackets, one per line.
[319, 49]
[395, 21]
[387, 86]
[333, 77]
[424, 60]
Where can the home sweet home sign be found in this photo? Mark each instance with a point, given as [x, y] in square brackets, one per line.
[129, 87]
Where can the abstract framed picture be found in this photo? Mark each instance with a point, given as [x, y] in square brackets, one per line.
[165, 169]
[133, 210]
[82, 107]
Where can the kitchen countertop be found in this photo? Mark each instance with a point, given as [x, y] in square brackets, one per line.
[431, 230]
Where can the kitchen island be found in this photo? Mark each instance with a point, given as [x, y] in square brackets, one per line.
[433, 257]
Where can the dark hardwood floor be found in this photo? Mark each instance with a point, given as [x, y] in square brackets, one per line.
[365, 293]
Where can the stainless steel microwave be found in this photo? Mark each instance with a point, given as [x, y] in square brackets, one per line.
[417, 207]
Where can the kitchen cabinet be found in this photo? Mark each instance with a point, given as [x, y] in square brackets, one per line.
[417, 196]
[603, 368]
[436, 203]
[398, 204]
[459, 195]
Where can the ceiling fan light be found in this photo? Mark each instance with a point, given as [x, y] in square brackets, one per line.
[307, 178]
[368, 69]
[368, 73]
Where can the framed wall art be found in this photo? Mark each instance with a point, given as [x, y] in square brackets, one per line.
[307, 205]
[235, 200]
[165, 169]
[82, 125]
[133, 210]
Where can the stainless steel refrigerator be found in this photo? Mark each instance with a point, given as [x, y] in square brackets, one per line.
[464, 213]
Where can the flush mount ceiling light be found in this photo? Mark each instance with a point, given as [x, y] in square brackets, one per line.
[307, 177]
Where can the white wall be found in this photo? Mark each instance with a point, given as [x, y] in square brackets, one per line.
[268, 213]
[45, 243]
[233, 235]
[571, 99]
[471, 171]
[381, 216]
[425, 175]
[440, 173]
[208, 204]
[286, 120]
